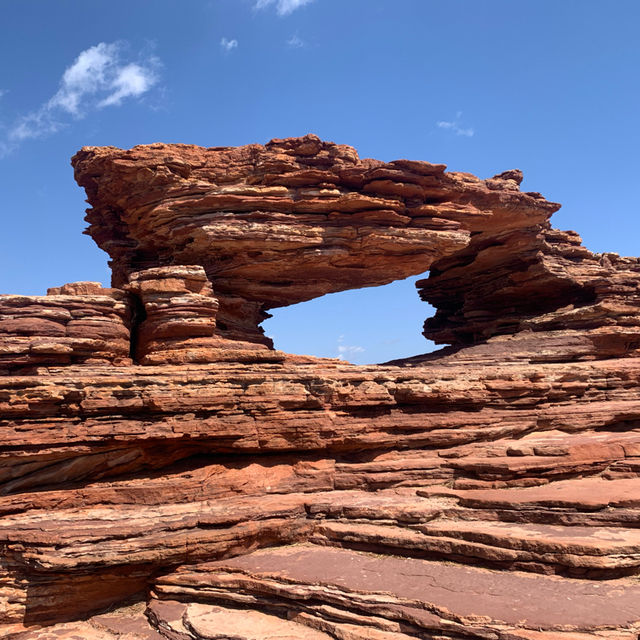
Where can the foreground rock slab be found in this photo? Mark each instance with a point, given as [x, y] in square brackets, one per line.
[124, 623]
[204, 621]
[412, 596]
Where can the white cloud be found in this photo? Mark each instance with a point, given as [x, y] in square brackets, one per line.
[84, 77]
[347, 349]
[34, 125]
[227, 45]
[295, 42]
[455, 127]
[98, 78]
[131, 81]
[283, 7]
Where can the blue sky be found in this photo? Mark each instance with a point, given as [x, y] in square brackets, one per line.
[549, 87]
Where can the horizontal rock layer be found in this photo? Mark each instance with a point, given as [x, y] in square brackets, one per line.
[540, 285]
[176, 321]
[528, 468]
[328, 588]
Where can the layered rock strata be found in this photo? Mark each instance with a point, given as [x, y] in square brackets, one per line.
[175, 321]
[542, 288]
[185, 481]
[78, 322]
[289, 221]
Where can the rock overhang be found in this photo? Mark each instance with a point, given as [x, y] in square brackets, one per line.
[291, 220]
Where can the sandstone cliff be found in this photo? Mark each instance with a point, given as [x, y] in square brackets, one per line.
[167, 474]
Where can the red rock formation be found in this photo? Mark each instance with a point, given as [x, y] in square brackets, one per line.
[79, 322]
[286, 222]
[488, 490]
[540, 285]
[176, 321]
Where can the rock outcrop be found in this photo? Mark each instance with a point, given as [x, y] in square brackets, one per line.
[540, 285]
[78, 322]
[175, 321]
[167, 474]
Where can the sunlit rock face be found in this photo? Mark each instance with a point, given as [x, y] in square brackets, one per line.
[164, 473]
[175, 313]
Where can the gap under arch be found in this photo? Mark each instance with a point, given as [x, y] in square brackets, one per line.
[363, 326]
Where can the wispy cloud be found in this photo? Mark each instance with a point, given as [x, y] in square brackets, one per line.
[295, 42]
[283, 7]
[346, 350]
[456, 127]
[99, 77]
[228, 45]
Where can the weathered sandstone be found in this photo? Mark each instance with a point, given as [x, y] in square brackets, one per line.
[78, 322]
[165, 473]
[176, 321]
[558, 300]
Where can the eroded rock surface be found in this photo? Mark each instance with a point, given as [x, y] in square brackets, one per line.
[78, 322]
[541, 287]
[428, 596]
[156, 449]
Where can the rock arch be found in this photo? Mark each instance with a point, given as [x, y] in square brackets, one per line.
[286, 222]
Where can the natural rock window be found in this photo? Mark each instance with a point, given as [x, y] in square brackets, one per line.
[363, 326]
